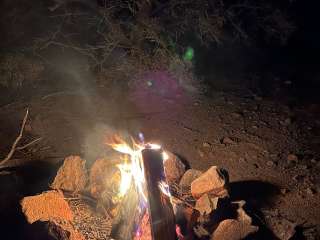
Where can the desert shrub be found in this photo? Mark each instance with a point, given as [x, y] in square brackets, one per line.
[126, 37]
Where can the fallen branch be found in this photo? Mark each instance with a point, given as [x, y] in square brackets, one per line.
[14, 145]
[29, 144]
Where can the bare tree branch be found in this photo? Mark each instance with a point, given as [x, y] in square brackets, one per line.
[14, 145]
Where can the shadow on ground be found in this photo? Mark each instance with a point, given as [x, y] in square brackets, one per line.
[257, 194]
[15, 183]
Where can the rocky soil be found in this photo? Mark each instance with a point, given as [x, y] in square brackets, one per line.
[270, 149]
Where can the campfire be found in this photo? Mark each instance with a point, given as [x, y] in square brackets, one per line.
[146, 193]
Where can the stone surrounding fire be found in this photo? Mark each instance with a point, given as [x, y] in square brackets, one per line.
[174, 168]
[52, 208]
[72, 176]
[232, 229]
[201, 200]
[104, 176]
[214, 214]
[188, 177]
[46, 206]
[206, 204]
[214, 180]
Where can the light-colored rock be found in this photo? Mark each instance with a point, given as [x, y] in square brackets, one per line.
[232, 229]
[227, 141]
[173, 168]
[205, 205]
[292, 158]
[201, 153]
[311, 191]
[213, 181]
[270, 163]
[188, 177]
[72, 175]
[242, 215]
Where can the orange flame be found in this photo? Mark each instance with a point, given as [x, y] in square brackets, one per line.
[134, 170]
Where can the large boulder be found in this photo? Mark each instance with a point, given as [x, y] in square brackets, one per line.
[72, 175]
[214, 181]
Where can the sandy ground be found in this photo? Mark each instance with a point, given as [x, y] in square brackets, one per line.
[250, 137]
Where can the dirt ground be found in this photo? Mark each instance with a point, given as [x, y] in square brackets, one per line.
[251, 137]
[270, 148]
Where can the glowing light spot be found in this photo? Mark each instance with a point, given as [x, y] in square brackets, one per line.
[149, 83]
[189, 54]
[165, 156]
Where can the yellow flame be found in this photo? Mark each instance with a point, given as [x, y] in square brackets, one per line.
[126, 178]
[164, 187]
[134, 169]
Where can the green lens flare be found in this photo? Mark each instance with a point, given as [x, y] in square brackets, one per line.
[189, 54]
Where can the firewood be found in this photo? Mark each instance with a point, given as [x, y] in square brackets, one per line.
[161, 213]
[128, 216]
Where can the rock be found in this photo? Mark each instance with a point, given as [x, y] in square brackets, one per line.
[292, 158]
[298, 177]
[242, 215]
[232, 229]
[188, 177]
[310, 191]
[45, 207]
[236, 115]
[72, 175]
[104, 177]
[63, 231]
[173, 168]
[200, 231]
[206, 144]
[201, 153]
[213, 181]
[313, 160]
[227, 141]
[270, 163]
[205, 205]
[284, 191]
[51, 211]
[282, 228]
[287, 121]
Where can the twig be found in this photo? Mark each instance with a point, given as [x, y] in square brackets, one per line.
[29, 144]
[14, 145]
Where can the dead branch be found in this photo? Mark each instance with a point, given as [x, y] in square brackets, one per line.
[14, 145]
[29, 144]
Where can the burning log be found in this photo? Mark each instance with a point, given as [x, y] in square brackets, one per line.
[153, 201]
[162, 219]
[128, 216]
